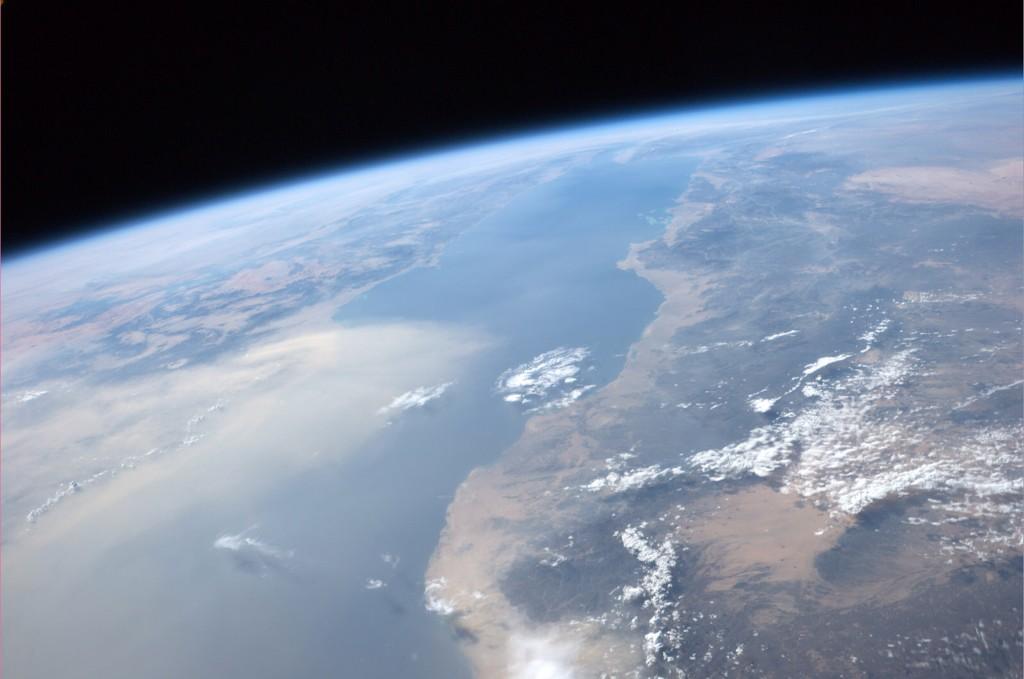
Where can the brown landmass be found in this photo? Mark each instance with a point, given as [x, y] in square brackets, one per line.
[497, 506]
[755, 535]
[999, 188]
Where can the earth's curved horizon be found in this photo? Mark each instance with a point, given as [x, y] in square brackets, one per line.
[427, 153]
[693, 393]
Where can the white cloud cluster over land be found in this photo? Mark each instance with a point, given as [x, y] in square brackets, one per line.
[838, 421]
[871, 336]
[654, 588]
[762, 405]
[547, 375]
[433, 601]
[779, 335]
[416, 398]
[540, 656]
[848, 450]
[822, 362]
[634, 479]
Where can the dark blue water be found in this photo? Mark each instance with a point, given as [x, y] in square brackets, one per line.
[541, 272]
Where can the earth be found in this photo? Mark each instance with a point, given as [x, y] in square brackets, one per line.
[731, 391]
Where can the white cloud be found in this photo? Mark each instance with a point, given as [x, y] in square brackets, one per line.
[847, 450]
[971, 400]
[127, 463]
[64, 491]
[252, 554]
[705, 348]
[540, 656]
[655, 583]
[812, 368]
[938, 297]
[374, 583]
[779, 335]
[762, 405]
[871, 335]
[547, 377]
[416, 398]
[635, 479]
[434, 602]
[568, 399]
[840, 418]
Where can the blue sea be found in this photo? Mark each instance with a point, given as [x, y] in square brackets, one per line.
[540, 274]
[537, 274]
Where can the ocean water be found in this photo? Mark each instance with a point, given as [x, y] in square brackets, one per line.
[538, 274]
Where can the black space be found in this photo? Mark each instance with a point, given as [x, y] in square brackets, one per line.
[112, 109]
